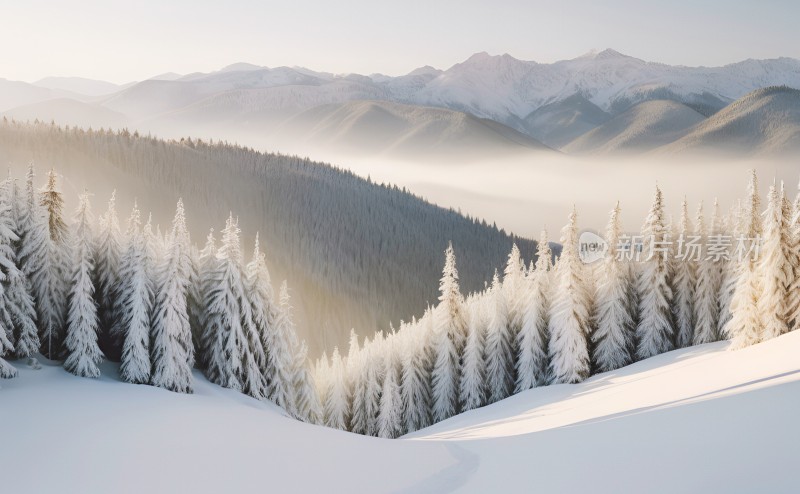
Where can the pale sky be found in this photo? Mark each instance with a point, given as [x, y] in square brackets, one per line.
[121, 41]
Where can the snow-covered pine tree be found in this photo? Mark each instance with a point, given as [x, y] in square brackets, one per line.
[415, 380]
[356, 371]
[282, 353]
[451, 326]
[531, 362]
[472, 388]
[41, 266]
[655, 331]
[569, 328]
[108, 250]
[264, 312]
[135, 305]
[7, 268]
[83, 352]
[775, 270]
[374, 383]
[614, 341]
[231, 361]
[18, 299]
[499, 353]
[706, 308]
[744, 325]
[793, 302]
[205, 266]
[52, 202]
[307, 405]
[337, 400]
[171, 349]
[683, 283]
[730, 269]
[514, 288]
[391, 406]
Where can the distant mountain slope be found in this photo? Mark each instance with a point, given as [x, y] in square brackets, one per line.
[356, 254]
[645, 126]
[559, 123]
[67, 111]
[16, 93]
[764, 122]
[80, 85]
[403, 130]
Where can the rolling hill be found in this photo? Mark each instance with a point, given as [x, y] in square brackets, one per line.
[643, 127]
[765, 122]
[67, 111]
[559, 123]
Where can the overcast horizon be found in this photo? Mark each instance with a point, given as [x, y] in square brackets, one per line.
[146, 39]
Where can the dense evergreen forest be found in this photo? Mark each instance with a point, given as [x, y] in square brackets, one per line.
[357, 254]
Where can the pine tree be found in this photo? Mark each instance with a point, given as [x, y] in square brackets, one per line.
[83, 352]
[135, 305]
[106, 279]
[569, 328]
[258, 289]
[614, 340]
[356, 368]
[281, 389]
[706, 309]
[730, 271]
[414, 381]
[374, 384]
[744, 326]
[306, 402]
[450, 326]
[684, 279]
[472, 389]
[42, 266]
[389, 418]
[793, 302]
[7, 269]
[337, 399]
[514, 292]
[655, 330]
[205, 267]
[171, 351]
[531, 363]
[499, 353]
[18, 299]
[775, 270]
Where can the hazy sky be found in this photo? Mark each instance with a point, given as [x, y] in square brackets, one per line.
[128, 40]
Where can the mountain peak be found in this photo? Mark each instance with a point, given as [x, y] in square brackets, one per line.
[607, 54]
[240, 67]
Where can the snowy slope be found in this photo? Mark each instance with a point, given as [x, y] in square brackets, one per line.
[642, 127]
[67, 111]
[81, 85]
[696, 420]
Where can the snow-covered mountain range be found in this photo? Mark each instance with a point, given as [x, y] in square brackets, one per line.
[554, 103]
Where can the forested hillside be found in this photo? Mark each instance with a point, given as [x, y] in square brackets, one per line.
[356, 254]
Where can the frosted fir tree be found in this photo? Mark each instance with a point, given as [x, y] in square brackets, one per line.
[231, 360]
[263, 309]
[7, 269]
[42, 266]
[322, 379]
[683, 282]
[730, 270]
[531, 362]
[16, 293]
[356, 380]
[614, 341]
[515, 292]
[135, 305]
[83, 352]
[472, 388]
[655, 331]
[793, 302]
[706, 308]
[415, 381]
[569, 324]
[307, 405]
[108, 250]
[337, 397]
[201, 282]
[774, 268]
[499, 353]
[744, 325]
[374, 383]
[282, 352]
[389, 414]
[52, 202]
[171, 349]
[451, 326]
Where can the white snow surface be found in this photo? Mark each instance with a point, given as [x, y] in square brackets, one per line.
[702, 419]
